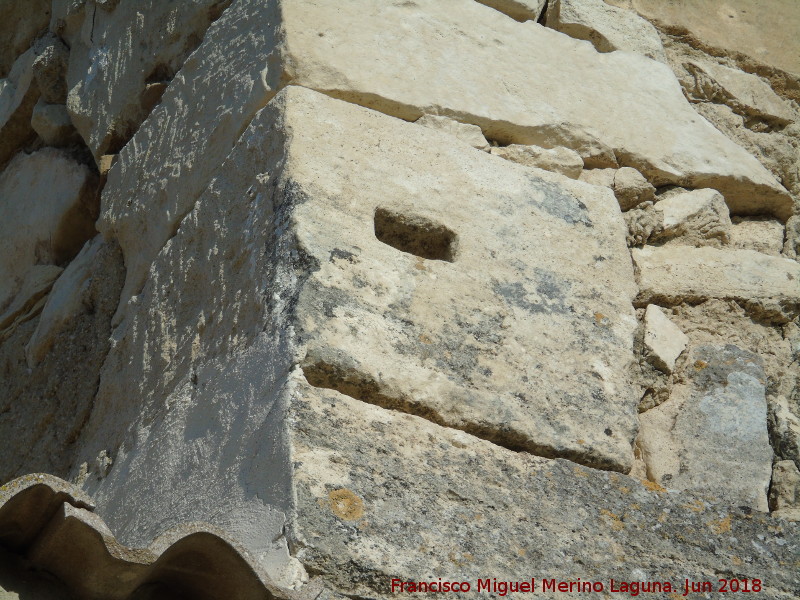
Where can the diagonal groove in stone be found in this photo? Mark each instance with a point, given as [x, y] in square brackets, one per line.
[364, 388]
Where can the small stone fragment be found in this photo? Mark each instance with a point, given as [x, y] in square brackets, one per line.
[760, 234]
[747, 94]
[607, 27]
[663, 340]
[521, 10]
[560, 160]
[631, 188]
[711, 435]
[469, 134]
[784, 427]
[603, 177]
[52, 123]
[695, 218]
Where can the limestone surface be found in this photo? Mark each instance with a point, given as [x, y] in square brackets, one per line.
[711, 435]
[784, 494]
[521, 10]
[51, 122]
[767, 285]
[520, 101]
[735, 26]
[663, 340]
[469, 134]
[762, 235]
[607, 27]
[182, 144]
[553, 323]
[560, 160]
[384, 484]
[47, 212]
[108, 75]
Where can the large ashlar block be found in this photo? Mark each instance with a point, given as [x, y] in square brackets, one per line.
[174, 154]
[497, 300]
[769, 286]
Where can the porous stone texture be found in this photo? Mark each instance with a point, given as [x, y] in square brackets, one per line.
[767, 285]
[48, 204]
[108, 75]
[695, 218]
[663, 340]
[644, 222]
[523, 102]
[469, 134]
[560, 160]
[607, 27]
[711, 435]
[760, 234]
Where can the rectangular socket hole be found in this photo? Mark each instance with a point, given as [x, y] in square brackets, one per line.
[415, 235]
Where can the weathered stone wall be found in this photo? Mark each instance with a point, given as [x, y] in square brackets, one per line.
[340, 292]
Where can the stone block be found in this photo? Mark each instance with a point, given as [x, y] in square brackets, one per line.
[711, 435]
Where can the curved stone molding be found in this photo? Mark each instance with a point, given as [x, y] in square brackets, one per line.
[51, 522]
